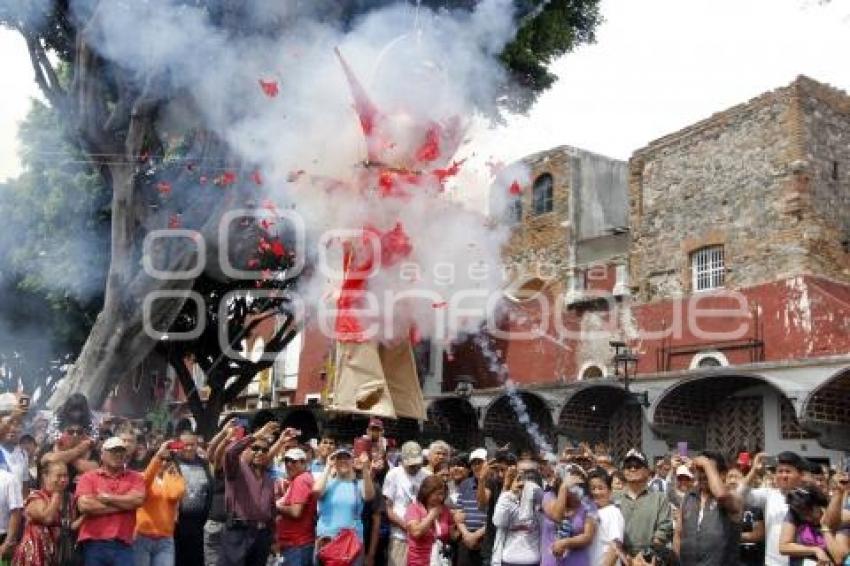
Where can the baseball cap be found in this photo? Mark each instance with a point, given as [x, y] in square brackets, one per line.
[684, 471]
[114, 442]
[478, 454]
[411, 453]
[635, 454]
[341, 450]
[375, 422]
[295, 454]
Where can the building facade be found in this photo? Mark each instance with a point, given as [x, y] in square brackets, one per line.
[717, 257]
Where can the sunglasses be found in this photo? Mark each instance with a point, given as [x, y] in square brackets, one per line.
[258, 448]
[291, 461]
[633, 467]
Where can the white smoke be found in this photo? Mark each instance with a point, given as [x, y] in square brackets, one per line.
[418, 66]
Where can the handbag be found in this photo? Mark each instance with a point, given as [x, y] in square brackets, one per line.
[342, 550]
[68, 552]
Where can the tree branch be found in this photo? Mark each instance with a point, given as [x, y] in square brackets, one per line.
[175, 360]
[45, 75]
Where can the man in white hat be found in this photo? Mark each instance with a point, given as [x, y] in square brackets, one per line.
[108, 497]
[401, 486]
[296, 502]
[12, 457]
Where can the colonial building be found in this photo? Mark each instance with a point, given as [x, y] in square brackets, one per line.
[716, 262]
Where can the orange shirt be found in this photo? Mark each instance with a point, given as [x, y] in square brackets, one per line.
[157, 516]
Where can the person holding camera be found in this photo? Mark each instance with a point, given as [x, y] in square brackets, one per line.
[429, 524]
[788, 476]
[518, 517]
[341, 497]
[709, 522]
[751, 547]
[249, 498]
[155, 519]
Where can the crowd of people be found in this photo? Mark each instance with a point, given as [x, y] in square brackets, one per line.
[257, 494]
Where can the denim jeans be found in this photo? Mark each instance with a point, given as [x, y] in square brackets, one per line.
[151, 551]
[107, 553]
[298, 555]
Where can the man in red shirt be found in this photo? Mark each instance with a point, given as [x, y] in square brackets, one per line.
[296, 525]
[108, 497]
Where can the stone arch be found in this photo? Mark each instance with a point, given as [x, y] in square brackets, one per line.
[602, 412]
[454, 420]
[826, 411]
[708, 412]
[503, 425]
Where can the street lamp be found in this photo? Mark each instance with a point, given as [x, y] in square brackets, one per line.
[623, 355]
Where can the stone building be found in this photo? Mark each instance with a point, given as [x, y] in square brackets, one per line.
[718, 256]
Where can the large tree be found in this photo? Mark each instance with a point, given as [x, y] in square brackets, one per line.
[111, 113]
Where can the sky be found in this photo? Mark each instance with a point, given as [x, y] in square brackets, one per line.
[657, 66]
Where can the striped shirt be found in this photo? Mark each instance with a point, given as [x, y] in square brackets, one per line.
[475, 517]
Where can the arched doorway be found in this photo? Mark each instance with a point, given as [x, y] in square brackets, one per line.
[826, 411]
[716, 411]
[454, 420]
[602, 413]
[503, 425]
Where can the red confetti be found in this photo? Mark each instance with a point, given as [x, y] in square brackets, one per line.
[515, 188]
[395, 245]
[414, 335]
[430, 149]
[270, 206]
[164, 188]
[175, 221]
[269, 88]
[255, 176]
[266, 223]
[440, 305]
[277, 249]
[450, 171]
[263, 245]
[254, 262]
[225, 179]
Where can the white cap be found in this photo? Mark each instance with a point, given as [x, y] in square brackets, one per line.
[114, 442]
[8, 402]
[478, 454]
[295, 454]
[684, 471]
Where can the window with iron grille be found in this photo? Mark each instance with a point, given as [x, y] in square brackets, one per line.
[542, 194]
[708, 268]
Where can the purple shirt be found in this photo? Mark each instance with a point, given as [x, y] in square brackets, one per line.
[247, 496]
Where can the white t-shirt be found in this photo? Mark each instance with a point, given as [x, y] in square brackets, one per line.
[611, 528]
[16, 462]
[772, 501]
[11, 498]
[401, 489]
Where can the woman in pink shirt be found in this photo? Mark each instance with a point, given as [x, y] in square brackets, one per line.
[428, 519]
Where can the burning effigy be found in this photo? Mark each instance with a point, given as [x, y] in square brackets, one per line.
[375, 374]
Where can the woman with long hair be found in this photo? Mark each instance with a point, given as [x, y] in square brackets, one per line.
[804, 537]
[428, 522]
[43, 512]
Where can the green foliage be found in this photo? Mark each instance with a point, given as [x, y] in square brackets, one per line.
[54, 250]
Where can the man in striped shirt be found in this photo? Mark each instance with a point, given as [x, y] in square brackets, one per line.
[474, 518]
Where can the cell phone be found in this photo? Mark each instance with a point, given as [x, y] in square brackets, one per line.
[362, 445]
[176, 445]
[682, 448]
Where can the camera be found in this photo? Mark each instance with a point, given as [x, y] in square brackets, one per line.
[747, 522]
